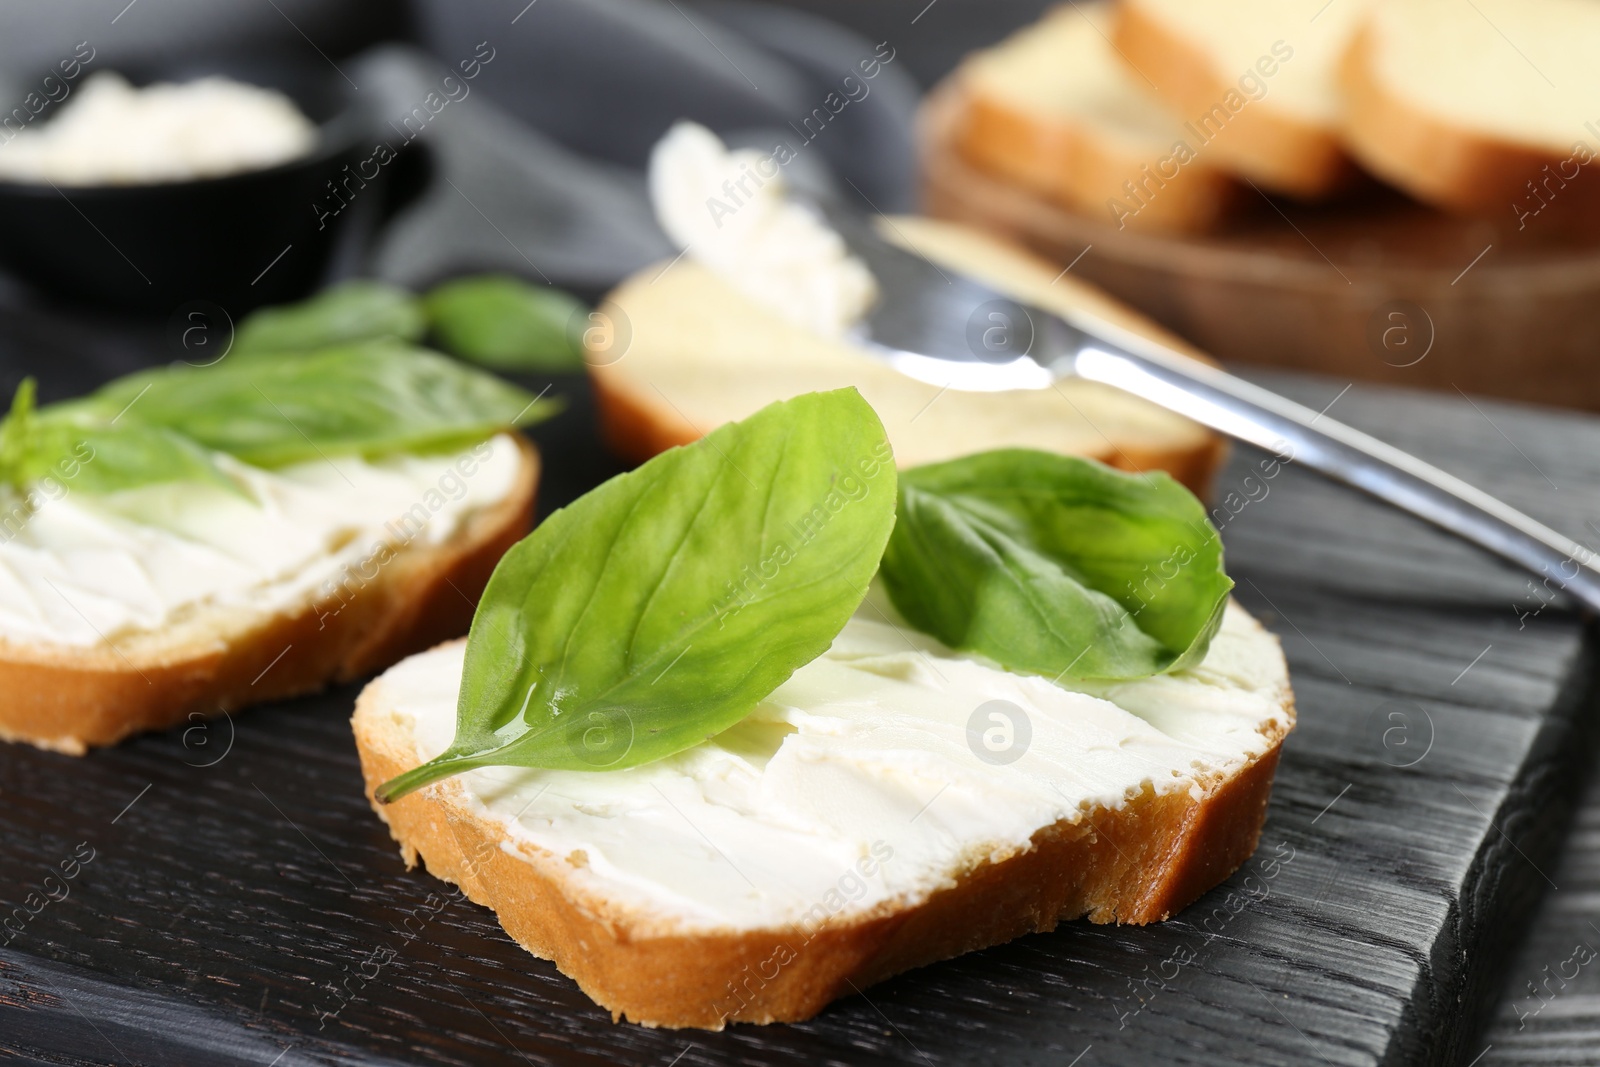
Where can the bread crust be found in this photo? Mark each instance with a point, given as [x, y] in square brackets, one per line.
[1136, 864]
[1280, 151]
[1442, 162]
[632, 426]
[1072, 166]
[70, 699]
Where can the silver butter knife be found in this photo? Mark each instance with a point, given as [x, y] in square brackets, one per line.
[946, 329]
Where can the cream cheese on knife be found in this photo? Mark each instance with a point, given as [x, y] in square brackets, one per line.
[729, 211]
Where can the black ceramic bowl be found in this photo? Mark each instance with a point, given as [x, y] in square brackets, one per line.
[239, 240]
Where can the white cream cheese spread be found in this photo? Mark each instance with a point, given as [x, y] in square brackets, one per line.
[109, 133]
[858, 782]
[83, 569]
[730, 212]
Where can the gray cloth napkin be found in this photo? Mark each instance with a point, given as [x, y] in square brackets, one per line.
[537, 157]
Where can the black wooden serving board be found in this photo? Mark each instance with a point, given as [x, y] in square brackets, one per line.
[238, 878]
[1550, 1010]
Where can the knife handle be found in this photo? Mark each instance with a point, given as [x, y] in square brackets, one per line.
[1237, 408]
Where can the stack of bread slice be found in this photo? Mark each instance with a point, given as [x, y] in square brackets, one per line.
[1156, 114]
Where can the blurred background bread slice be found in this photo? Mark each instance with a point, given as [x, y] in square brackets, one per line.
[1054, 109]
[1256, 79]
[1493, 107]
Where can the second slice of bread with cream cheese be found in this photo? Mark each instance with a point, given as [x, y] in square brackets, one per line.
[743, 318]
[167, 601]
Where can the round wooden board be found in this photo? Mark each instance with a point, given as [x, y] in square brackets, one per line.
[1372, 287]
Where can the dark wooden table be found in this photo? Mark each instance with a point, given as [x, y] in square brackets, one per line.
[231, 892]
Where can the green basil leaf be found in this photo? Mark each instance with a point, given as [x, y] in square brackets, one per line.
[503, 322]
[64, 442]
[660, 608]
[352, 311]
[370, 399]
[1056, 565]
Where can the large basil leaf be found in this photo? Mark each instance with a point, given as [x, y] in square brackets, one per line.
[370, 399]
[351, 311]
[1057, 565]
[663, 606]
[503, 322]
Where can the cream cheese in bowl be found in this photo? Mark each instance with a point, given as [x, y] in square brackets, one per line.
[189, 187]
[110, 133]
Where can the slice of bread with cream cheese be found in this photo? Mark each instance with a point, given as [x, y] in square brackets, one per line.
[178, 545]
[868, 818]
[164, 604]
